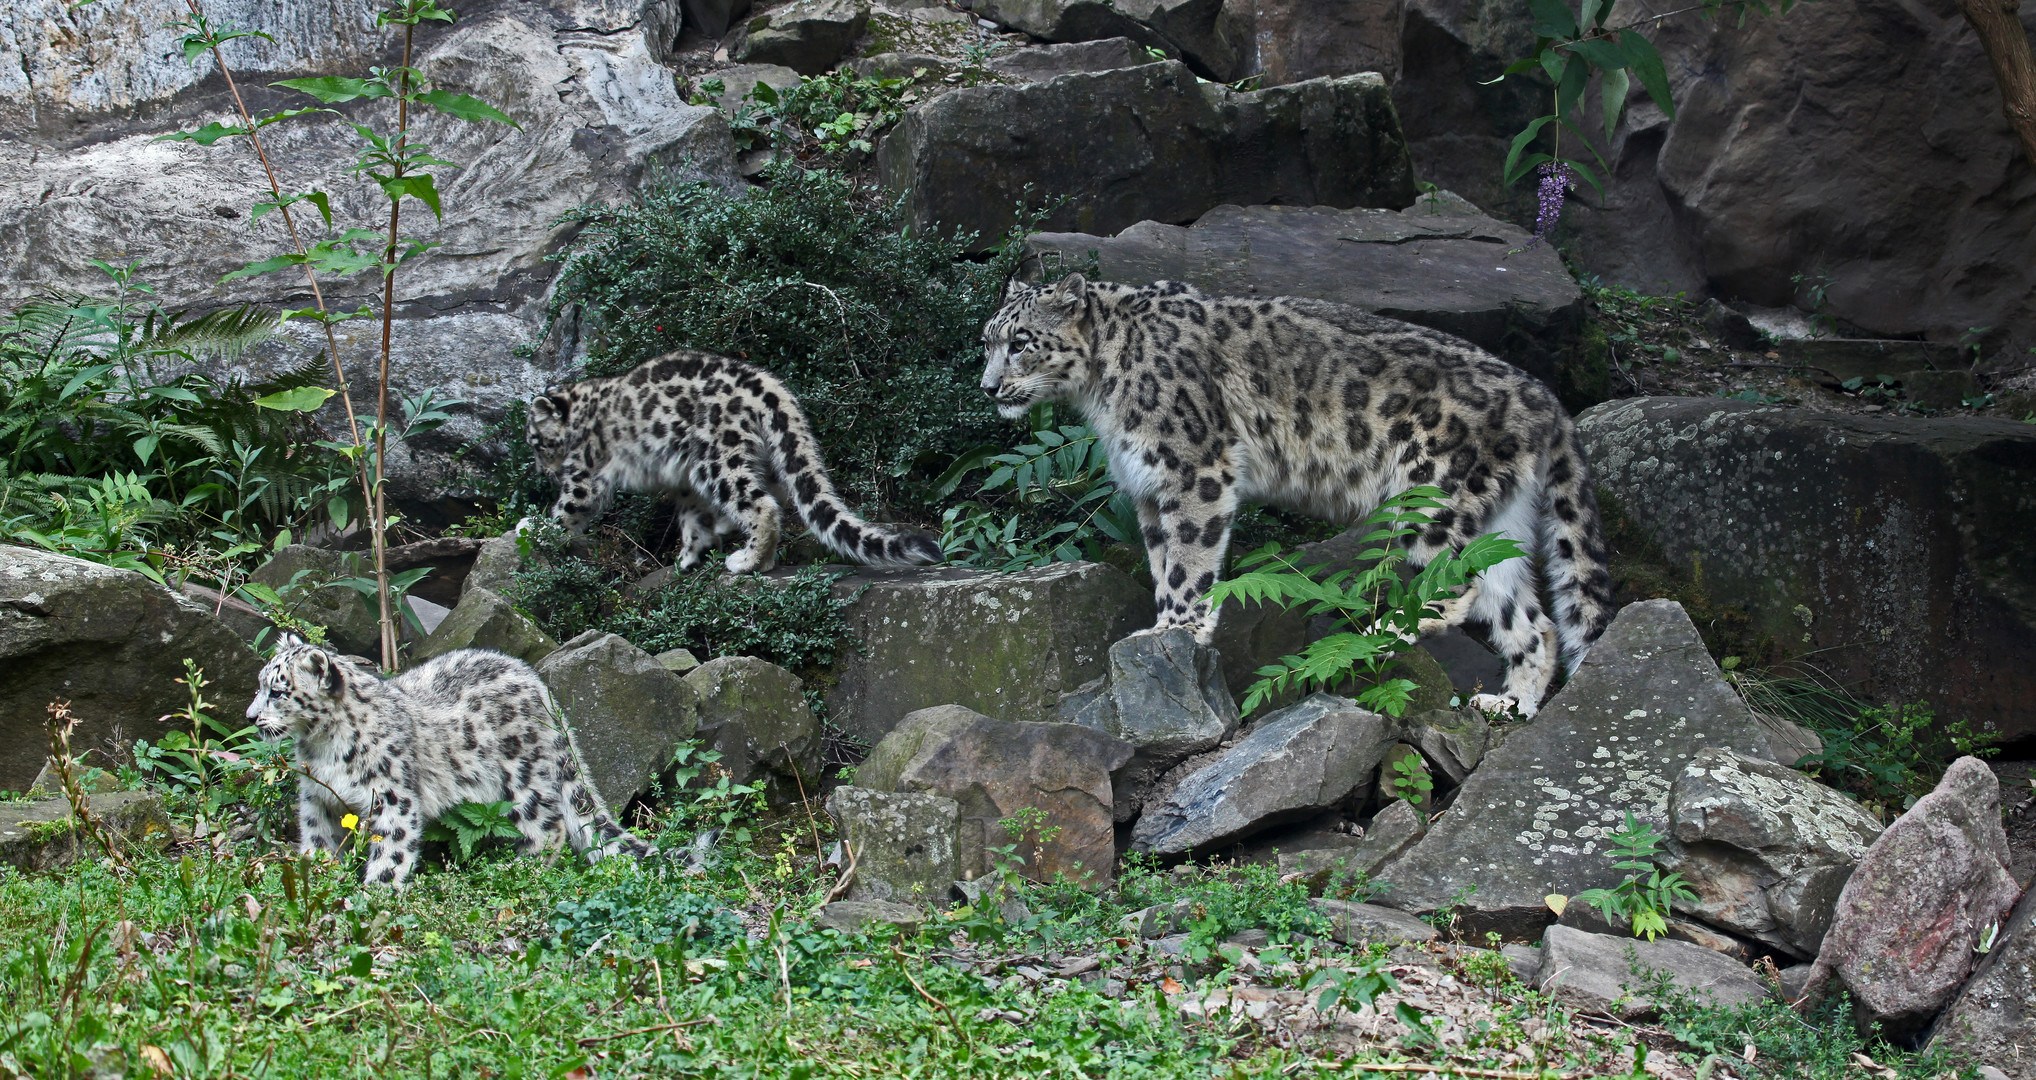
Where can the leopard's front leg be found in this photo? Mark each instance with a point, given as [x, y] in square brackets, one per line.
[583, 494]
[1187, 530]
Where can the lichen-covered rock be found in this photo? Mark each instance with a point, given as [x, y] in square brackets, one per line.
[626, 713]
[1155, 145]
[44, 835]
[902, 842]
[996, 770]
[1902, 941]
[1603, 973]
[484, 620]
[1005, 645]
[1992, 1016]
[1353, 923]
[807, 36]
[1900, 550]
[1765, 848]
[113, 644]
[495, 565]
[1296, 762]
[755, 713]
[1533, 818]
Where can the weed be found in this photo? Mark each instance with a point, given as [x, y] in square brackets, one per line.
[470, 825]
[1890, 756]
[1644, 898]
[1410, 780]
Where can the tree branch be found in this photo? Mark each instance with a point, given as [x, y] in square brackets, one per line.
[1999, 26]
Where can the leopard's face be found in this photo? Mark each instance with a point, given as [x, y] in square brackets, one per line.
[1037, 345]
[297, 684]
[546, 431]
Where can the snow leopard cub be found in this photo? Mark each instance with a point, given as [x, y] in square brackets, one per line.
[1204, 402]
[469, 726]
[725, 438]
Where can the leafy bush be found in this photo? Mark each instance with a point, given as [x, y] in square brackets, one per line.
[640, 908]
[1053, 494]
[1643, 899]
[834, 114]
[1890, 756]
[873, 326]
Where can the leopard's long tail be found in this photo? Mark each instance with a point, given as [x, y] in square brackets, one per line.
[795, 453]
[1574, 553]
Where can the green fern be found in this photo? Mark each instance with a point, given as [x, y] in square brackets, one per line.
[471, 824]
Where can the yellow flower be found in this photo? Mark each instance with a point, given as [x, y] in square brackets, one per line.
[349, 822]
[377, 838]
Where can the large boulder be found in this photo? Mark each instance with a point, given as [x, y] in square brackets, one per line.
[301, 574]
[1006, 645]
[1164, 694]
[1295, 763]
[1992, 1016]
[1765, 848]
[1154, 145]
[1047, 62]
[1604, 973]
[807, 36]
[755, 714]
[1306, 39]
[485, 620]
[995, 770]
[1908, 921]
[1068, 20]
[112, 643]
[1900, 550]
[1440, 263]
[1533, 818]
[902, 843]
[626, 714]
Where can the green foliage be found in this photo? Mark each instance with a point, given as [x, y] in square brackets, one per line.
[211, 769]
[1890, 756]
[1061, 504]
[708, 796]
[1410, 780]
[1644, 899]
[1819, 1042]
[872, 325]
[470, 825]
[835, 114]
[1222, 900]
[1378, 610]
[646, 911]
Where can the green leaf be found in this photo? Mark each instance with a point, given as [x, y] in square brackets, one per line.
[1514, 168]
[1553, 19]
[204, 136]
[301, 399]
[1570, 88]
[464, 107]
[333, 89]
[265, 266]
[315, 198]
[418, 186]
[1613, 91]
[1593, 13]
[1648, 68]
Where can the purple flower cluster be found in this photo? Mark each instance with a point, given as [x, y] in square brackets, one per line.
[1556, 180]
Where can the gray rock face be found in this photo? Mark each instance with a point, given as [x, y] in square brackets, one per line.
[1831, 532]
[1365, 924]
[1302, 39]
[996, 769]
[1532, 819]
[484, 620]
[1296, 762]
[495, 565]
[110, 642]
[1902, 939]
[1214, 38]
[1454, 741]
[1597, 972]
[903, 842]
[714, 17]
[1163, 694]
[625, 712]
[1992, 1016]
[807, 36]
[348, 624]
[1390, 832]
[1052, 61]
[43, 835]
[1068, 20]
[1439, 263]
[1765, 848]
[848, 916]
[1005, 645]
[1156, 146]
[755, 713]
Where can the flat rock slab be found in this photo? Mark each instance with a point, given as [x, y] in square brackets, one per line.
[1439, 263]
[1005, 645]
[1155, 144]
[43, 834]
[1052, 61]
[1602, 973]
[848, 916]
[627, 715]
[807, 36]
[1353, 923]
[1295, 763]
[1532, 819]
[1900, 549]
[902, 843]
[486, 620]
[112, 643]
[1992, 1017]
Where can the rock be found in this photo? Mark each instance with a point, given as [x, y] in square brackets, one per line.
[239, 615]
[1363, 924]
[996, 769]
[81, 177]
[113, 644]
[1160, 147]
[1164, 695]
[1601, 973]
[1523, 960]
[627, 715]
[1214, 38]
[714, 17]
[1991, 1018]
[1296, 762]
[1790, 981]
[1052, 61]
[1005, 645]
[1731, 328]
[43, 835]
[755, 713]
[1068, 20]
[1765, 848]
[1532, 819]
[1830, 532]
[737, 82]
[451, 559]
[1304, 39]
[1902, 940]
[849, 916]
[1587, 917]
[807, 36]
[677, 661]
[430, 616]
[348, 623]
[1453, 740]
[484, 620]
[1158, 920]
[903, 842]
[495, 565]
[1439, 263]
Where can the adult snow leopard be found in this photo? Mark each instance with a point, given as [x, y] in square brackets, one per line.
[720, 436]
[469, 726]
[1204, 402]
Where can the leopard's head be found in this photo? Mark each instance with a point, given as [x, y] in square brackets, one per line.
[546, 430]
[297, 685]
[1036, 347]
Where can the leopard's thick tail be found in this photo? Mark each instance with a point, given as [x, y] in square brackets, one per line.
[796, 455]
[1574, 553]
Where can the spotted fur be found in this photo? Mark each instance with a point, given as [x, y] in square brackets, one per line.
[469, 726]
[1206, 402]
[725, 438]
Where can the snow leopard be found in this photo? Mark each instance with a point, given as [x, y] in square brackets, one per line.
[1205, 402]
[472, 725]
[726, 439]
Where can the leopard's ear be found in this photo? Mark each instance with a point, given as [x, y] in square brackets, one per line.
[330, 673]
[1070, 294]
[1012, 288]
[550, 406]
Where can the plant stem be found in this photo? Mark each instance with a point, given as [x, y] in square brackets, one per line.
[381, 539]
[2007, 47]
